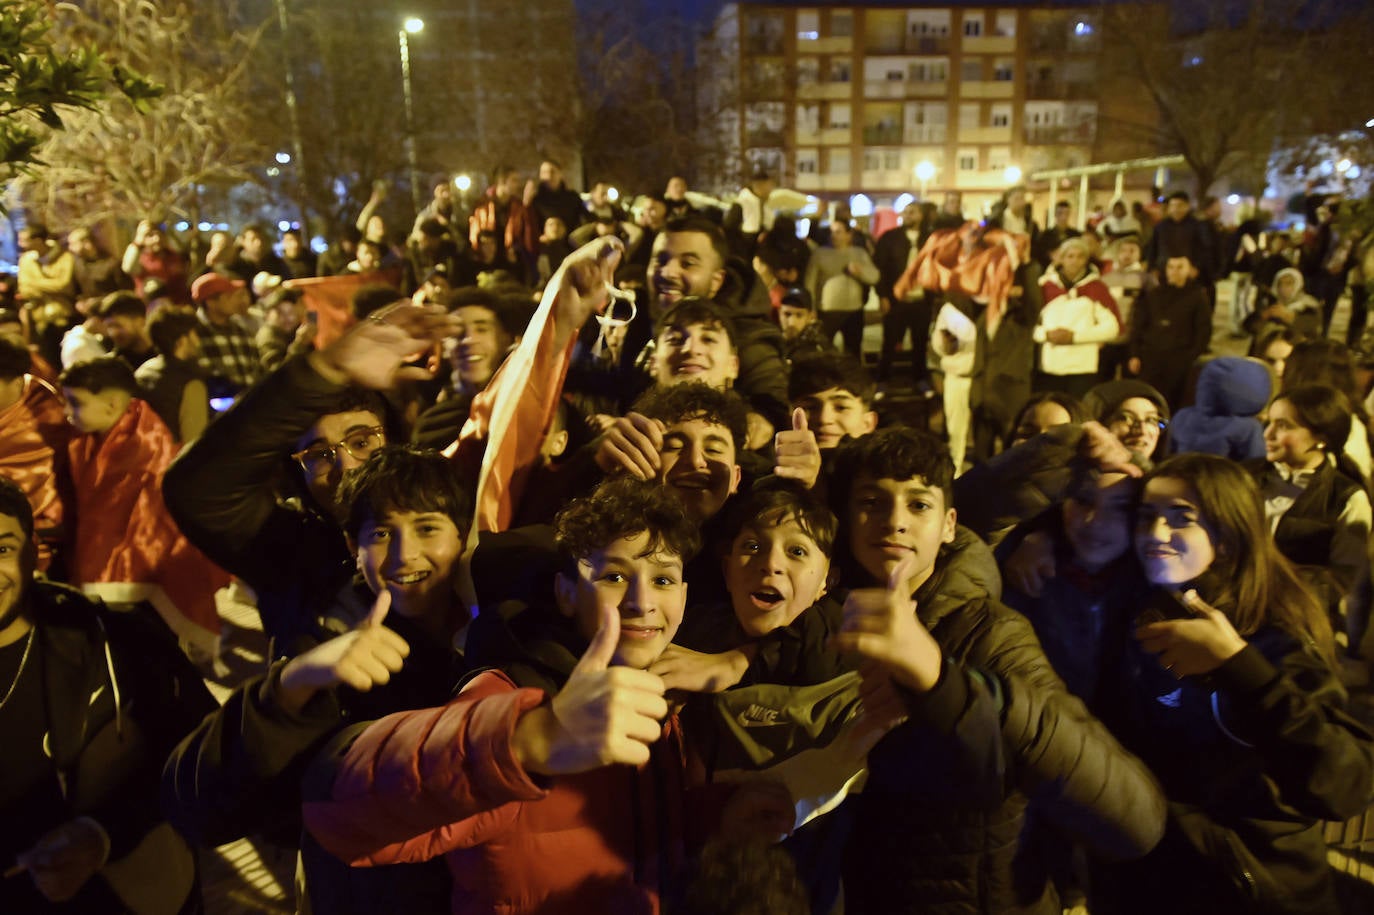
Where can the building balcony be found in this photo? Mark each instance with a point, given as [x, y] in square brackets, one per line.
[840, 91]
[886, 135]
[927, 89]
[807, 136]
[926, 44]
[984, 134]
[829, 45]
[836, 136]
[1052, 134]
[885, 88]
[990, 44]
[925, 133]
[982, 88]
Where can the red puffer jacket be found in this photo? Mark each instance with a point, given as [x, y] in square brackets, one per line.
[445, 781]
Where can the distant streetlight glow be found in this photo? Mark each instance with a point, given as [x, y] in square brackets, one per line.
[283, 225]
[283, 158]
[902, 202]
[1353, 173]
[1012, 174]
[1233, 199]
[273, 172]
[1343, 166]
[925, 170]
[612, 194]
[463, 183]
[413, 25]
[1082, 28]
[860, 205]
[1369, 123]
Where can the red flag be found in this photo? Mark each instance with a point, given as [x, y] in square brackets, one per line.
[126, 546]
[330, 299]
[33, 453]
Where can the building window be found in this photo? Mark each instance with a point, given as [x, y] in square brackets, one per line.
[1004, 70]
[839, 117]
[1006, 24]
[892, 160]
[808, 161]
[870, 161]
[839, 162]
[808, 25]
[1001, 119]
[839, 71]
[841, 25]
[968, 116]
[895, 76]
[973, 26]
[808, 71]
[929, 71]
[971, 71]
[968, 162]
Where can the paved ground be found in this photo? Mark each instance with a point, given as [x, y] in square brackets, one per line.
[246, 878]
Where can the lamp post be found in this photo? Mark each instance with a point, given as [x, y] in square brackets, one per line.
[925, 170]
[410, 27]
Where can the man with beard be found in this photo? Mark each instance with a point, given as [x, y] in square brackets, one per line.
[691, 258]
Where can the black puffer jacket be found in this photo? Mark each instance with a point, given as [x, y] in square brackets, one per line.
[908, 858]
[762, 362]
[1253, 758]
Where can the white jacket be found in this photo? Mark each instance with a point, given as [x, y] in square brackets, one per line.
[1092, 324]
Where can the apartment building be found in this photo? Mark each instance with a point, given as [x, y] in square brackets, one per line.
[884, 99]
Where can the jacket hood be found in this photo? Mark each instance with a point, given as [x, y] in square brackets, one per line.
[1051, 275]
[1295, 273]
[1233, 386]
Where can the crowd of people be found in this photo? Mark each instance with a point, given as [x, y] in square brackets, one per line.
[599, 580]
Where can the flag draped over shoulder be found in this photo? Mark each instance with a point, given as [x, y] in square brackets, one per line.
[33, 453]
[127, 547]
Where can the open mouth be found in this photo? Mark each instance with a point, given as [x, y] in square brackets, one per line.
[638, 633]
[693, 483]
[766, 598]
[409, 578]
[689, 368]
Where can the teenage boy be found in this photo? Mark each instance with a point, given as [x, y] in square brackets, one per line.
[406, 512]
[892, 492]
[837, 394]
[125, 546]
[528, 780]
[801, 327]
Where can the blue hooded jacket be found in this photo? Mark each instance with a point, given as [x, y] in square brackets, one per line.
[1230, 391]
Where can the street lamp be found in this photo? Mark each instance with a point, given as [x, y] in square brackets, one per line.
[925, 170]
[1012, 174]
[410, 27]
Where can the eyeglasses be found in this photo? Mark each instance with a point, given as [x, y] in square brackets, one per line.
[1130, 421]
[320, 458]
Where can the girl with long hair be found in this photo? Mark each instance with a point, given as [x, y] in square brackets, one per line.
[1228, 691]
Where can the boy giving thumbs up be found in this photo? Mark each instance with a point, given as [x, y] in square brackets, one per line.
[555, 783]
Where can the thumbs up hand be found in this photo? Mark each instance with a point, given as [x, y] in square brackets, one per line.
[797, 452]
[603, 715]
[363, 658]
[880, 625]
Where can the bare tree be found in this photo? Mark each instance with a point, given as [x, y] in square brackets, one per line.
[1229, 84]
